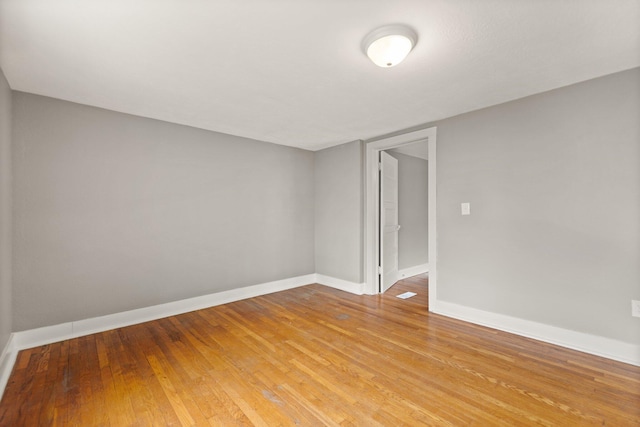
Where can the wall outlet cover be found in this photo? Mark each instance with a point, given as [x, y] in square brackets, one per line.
[635, 308]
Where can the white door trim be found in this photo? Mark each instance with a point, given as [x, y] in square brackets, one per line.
[372, 201]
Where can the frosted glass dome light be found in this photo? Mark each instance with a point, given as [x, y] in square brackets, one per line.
[388, 46]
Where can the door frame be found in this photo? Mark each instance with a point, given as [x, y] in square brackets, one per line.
[372, 203]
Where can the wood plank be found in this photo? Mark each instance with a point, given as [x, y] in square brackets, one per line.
[317, 356]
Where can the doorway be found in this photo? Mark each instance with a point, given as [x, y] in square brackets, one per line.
[412, 209]
[372, 203]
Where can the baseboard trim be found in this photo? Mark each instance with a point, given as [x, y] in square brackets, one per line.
[50, 334]
[413, 271]
[7, 360]
[343, 285]
[56, 333]
[599, 346]
[587, 343]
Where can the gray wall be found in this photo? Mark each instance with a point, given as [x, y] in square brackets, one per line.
[413, 210]
[339, 211]
[554, 186]
[5, 211]
[114, 212]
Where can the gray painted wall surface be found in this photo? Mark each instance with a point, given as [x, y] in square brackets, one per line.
[554, 186]
[5, 211]
[413, 210]
[114, 212]
[338, 211]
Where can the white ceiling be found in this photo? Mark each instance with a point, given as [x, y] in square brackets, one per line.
[292, 71]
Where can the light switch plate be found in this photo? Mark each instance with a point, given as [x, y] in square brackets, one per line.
[465, 208]
[635, 308]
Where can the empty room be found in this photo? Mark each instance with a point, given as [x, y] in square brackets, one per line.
[319, 213]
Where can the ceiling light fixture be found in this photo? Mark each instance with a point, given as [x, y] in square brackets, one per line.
[389, 45]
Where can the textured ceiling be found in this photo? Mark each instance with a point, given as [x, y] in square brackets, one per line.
[292, 71]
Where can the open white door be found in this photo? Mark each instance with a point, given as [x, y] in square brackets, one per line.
[388, 221]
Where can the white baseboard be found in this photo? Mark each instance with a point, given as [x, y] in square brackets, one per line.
[343, 285]
[7, 360]
[587, 343]
[599, 346]
[413, 271]
[55, 333]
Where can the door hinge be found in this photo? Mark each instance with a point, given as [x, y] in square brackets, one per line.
[379, 269]
[379, 166]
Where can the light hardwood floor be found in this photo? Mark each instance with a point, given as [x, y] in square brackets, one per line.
[316, 356]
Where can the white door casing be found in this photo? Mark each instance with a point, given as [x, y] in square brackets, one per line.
[372, 212]
[389, 226]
